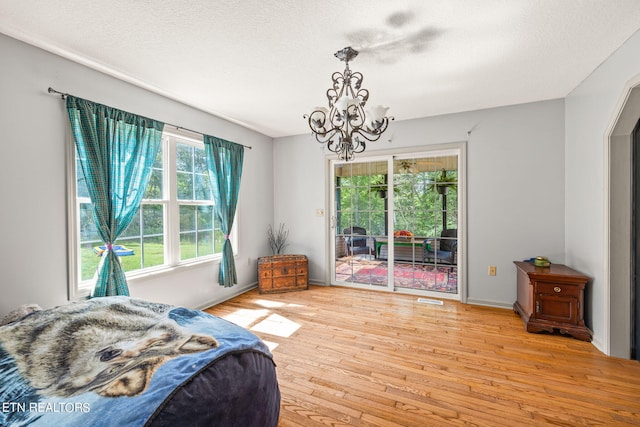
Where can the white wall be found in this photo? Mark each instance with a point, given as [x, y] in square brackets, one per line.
[515, 206]
[590, 112]
[33, 255]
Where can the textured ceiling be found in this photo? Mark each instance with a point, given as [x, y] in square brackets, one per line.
[264, 63]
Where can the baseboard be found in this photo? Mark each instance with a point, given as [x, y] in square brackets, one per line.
[238, 291]
[496, 304]
[597, 343]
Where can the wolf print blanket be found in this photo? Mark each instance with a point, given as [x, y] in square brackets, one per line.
[106, 361]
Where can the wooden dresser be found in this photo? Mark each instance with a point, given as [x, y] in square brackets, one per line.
[282, 273]
[551, 299]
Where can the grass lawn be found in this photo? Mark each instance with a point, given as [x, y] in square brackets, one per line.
[153, 255]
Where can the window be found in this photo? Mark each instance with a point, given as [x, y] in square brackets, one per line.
[199, 236]
[175, 224]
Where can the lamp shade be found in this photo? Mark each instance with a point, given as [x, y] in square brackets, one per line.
[321, 109]
[376, 113]
[345, 102]
[318, 117]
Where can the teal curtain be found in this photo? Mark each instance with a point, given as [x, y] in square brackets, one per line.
[116, 150]
[224, 162]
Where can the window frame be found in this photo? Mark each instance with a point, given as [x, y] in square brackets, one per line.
[78, 288]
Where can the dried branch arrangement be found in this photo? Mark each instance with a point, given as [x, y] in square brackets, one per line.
[278, 240]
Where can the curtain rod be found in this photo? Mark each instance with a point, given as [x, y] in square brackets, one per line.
[63, 95]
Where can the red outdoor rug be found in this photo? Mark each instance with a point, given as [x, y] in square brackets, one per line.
[424, 277]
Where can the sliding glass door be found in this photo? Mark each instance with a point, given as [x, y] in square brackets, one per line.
[360, 218]
[395, 223]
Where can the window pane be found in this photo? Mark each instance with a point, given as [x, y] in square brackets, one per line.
[133, 230]
[185, 186]
[134, 261]
[202, 187]
[184, 158]
[187, 232]
[143, 236]
[219, 240]
[196, 231]
[205, 230]
[147, 252]
[81, 183]
[192, 177]
[89, 261]
[187, 218]
[88, 239]
[154, 189]
[88, 231]
[187, 245]
[205, 218]
[159, 159]
[153, 251]
[205, 243]
[153, 219]
[200, 161]
[193, 180]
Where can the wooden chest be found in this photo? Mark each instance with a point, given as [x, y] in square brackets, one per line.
[551, 299]
[282, 273]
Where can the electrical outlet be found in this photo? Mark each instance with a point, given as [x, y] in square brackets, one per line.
[492, 270]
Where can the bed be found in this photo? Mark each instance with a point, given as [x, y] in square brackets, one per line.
[120, 361]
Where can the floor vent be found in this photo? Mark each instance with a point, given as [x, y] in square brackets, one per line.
[430, 301]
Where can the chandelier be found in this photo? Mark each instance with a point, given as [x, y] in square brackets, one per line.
[345, 127]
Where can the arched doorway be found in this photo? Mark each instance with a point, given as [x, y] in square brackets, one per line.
[622, 246]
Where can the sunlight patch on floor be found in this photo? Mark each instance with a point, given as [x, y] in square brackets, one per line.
[268, 303]
[271, 345]
[296, 305]
[276, 325]
[245, 317]
[275, 304]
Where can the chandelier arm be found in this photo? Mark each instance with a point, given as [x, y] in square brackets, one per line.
[372, 135]
[326, 137]
[360, 146]
[357, 79]
[335, 147]
[316, 121]
[363, 95]
[333, 94]
[368, 136]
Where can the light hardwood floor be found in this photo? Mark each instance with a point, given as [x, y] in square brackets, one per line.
[366, 358]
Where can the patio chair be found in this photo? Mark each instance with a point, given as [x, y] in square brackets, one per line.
[443, 250]
[356, 241]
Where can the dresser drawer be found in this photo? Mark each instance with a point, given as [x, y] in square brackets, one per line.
[559, 289]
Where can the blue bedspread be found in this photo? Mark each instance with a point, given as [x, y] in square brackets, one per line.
[108, 361]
